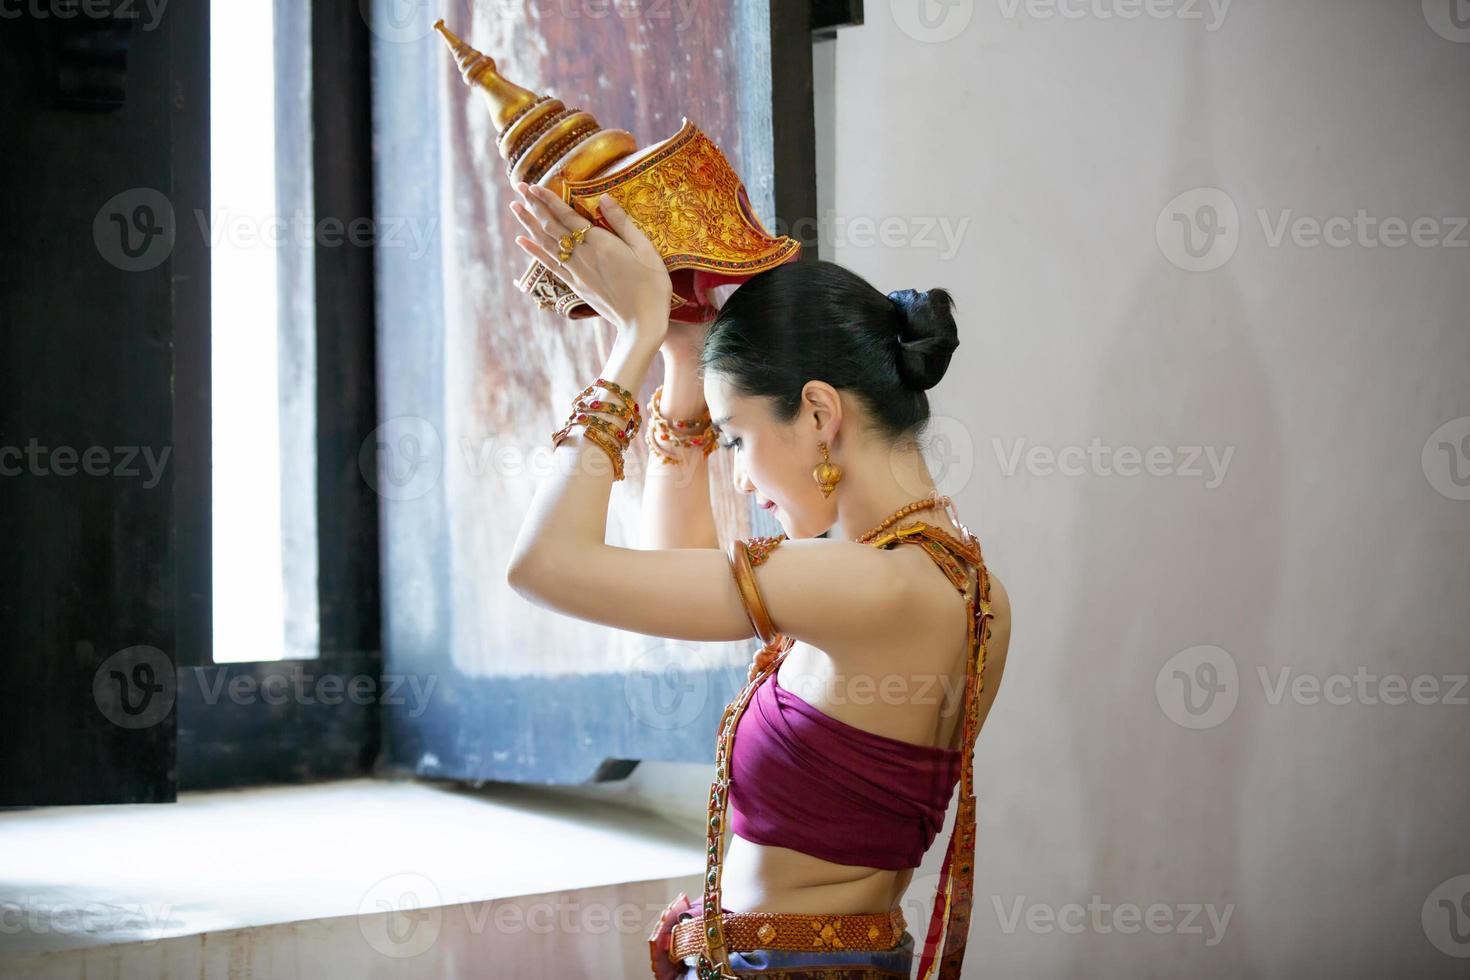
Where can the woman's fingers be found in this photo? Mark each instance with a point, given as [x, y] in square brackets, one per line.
[547, 225]
[556, 218]
[542, 247]
[627, 229]
[559, 212]
[537, 241]
[534, 229]
[546, 258]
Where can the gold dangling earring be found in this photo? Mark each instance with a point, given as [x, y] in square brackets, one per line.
[826, 473]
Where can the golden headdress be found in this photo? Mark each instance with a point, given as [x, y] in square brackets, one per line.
[681, 192]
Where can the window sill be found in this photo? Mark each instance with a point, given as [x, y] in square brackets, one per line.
[79, 878]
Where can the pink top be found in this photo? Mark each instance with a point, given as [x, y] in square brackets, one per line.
[800, 778]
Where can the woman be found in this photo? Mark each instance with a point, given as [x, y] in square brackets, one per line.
[815, 381]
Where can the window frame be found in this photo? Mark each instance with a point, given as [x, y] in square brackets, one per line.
[234, 726]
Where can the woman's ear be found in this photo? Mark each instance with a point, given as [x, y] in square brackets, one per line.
[824, 404]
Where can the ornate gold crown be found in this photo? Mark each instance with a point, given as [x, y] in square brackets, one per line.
[681, 192]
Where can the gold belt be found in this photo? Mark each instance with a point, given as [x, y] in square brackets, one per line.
[745, 931]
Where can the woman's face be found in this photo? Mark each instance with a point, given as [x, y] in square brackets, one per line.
[770, 460]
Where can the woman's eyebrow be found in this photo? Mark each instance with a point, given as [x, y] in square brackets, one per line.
[723, 419]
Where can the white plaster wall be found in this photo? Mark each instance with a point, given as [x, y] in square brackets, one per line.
[1049, 140]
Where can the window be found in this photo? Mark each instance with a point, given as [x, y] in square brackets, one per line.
[262, 460]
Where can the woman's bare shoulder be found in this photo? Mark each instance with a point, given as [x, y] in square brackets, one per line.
[834, 594]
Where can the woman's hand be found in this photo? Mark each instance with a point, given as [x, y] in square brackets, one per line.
[662, 939]
[619, 273]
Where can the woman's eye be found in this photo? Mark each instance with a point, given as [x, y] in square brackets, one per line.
[731, 444]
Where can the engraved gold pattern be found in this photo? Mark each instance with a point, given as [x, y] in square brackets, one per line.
[682, 192]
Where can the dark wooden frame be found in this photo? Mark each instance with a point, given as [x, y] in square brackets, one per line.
[193, 389]
[793, 116]
[231, 742]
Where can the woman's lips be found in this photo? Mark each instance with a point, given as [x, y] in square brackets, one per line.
[769, 505]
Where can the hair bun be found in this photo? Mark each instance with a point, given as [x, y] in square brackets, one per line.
[927, 337]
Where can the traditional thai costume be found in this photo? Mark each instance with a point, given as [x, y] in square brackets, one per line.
[798, 778]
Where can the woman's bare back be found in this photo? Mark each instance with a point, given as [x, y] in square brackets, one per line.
[920, 703]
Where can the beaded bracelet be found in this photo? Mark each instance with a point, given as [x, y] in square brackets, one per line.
[696, 432]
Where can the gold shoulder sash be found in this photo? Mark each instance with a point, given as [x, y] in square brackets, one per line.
[949, 920]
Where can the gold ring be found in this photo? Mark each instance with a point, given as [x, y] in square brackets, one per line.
[569, 242]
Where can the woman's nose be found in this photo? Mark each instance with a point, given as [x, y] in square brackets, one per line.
[742, 485]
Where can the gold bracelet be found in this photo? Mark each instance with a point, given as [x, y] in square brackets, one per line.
[697, 432]
[592, 422]
[601, 432]
[628, 410]
[609, 446]
[612, 439]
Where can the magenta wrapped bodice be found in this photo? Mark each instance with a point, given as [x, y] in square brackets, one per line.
[801, 779]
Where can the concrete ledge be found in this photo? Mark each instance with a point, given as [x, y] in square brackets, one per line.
[354, 878]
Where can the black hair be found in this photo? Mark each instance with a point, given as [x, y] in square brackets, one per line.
[818, 321]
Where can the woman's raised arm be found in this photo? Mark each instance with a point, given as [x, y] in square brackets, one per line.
[822, 592]
[676, 508]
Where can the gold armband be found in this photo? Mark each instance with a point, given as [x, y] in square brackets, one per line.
[744, 555]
